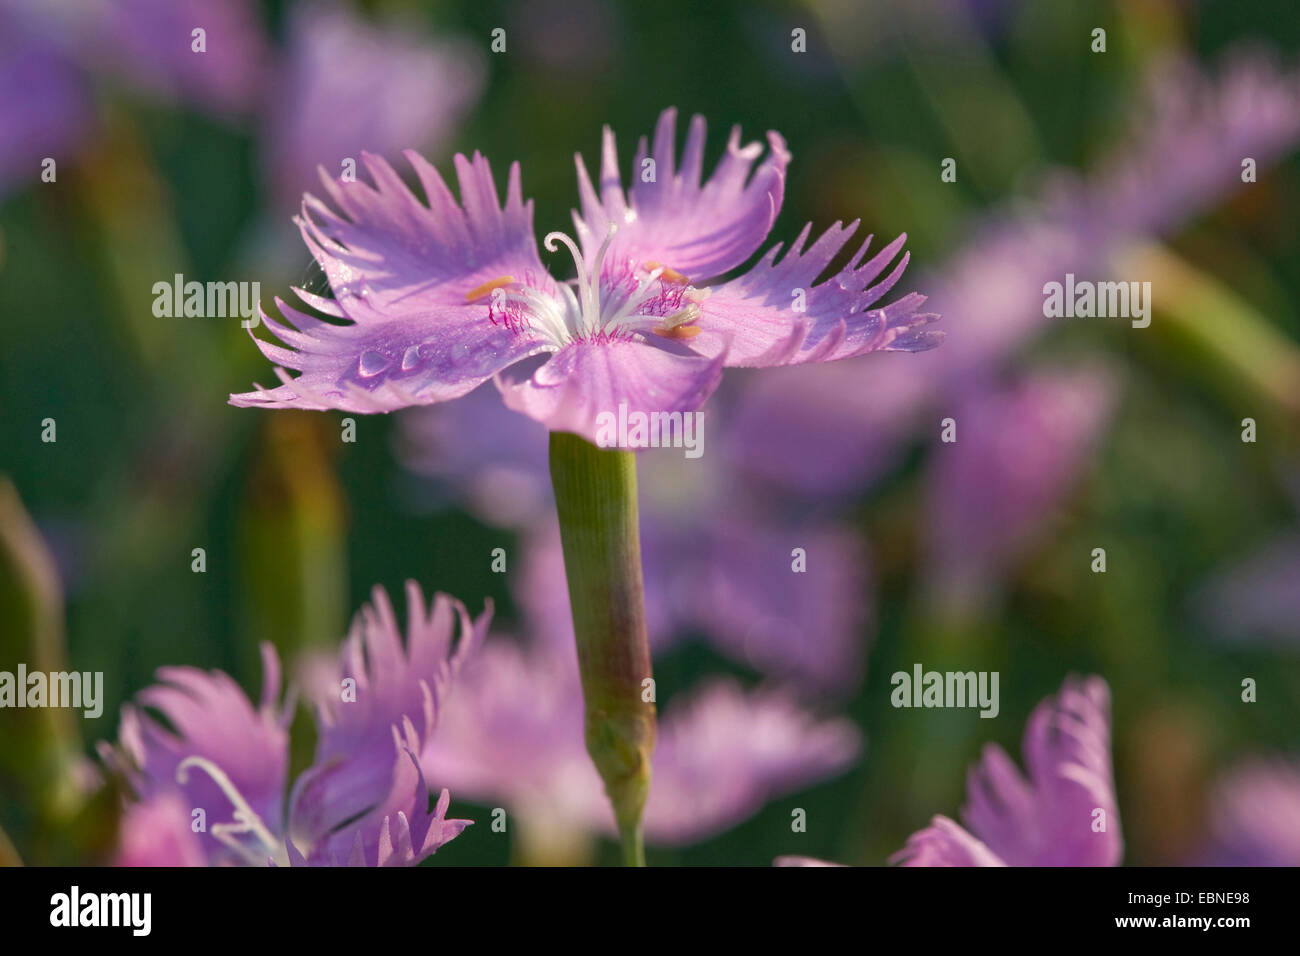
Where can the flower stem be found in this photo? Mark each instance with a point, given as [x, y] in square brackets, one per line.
[595, 496]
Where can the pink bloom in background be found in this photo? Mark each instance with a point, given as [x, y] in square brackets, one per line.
[1255, 815]
[158, 832]
[803, 861]
[435, 299]
[150, 43]
[53, 117]
[56, 53]
[849, 427]
[732, 582]
[344, 85]
[1257, 599]
[717, 560]
[363, 802]
[825, 434]
[1019, 451]
[512, 731]
[1063, 814]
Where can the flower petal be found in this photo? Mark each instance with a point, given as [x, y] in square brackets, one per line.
[400, 272]
[354, 776]
[158, 832]
[700, 231]
[777, 313]
[1049, 819]
[944, 843]
[589, 379]
[724, 753]
[805, 627]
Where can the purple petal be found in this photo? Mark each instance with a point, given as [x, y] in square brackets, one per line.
[802, 861]
[777, 313]
[158, 832]
[805, 626]
[944, 843]
[1052, 819]
[724, 753]
[827, 432]
[359, 770]
[512, 728]
[591, 378]
[1257, 599]
[699, 230]
[52, 116]
[401, 272]
[1255, 815]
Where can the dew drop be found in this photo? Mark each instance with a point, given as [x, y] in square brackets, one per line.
[411, 358]
[372, 363]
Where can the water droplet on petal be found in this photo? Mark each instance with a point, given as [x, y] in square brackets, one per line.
[411, 358]
[372, 363]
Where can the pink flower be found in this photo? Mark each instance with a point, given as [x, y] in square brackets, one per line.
[208, 785]
[513, 731]
[1064, 814]
[432, 300]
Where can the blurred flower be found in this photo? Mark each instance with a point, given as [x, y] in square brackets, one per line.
[1188, 139]
[513, 731]
[56, 51]
[732, 580]
[156, 832]
[478, 454]
[363, 802]
[1189, 136]
[345, 85]
[152, 44]
[1019, 451]
[439, 298]
[52, 117]
[802, 861]
[823, 434]
[715, 559]
[1258, 598]
[1255, 815]
[1065, 814]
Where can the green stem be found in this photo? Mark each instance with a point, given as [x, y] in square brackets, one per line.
[595, 496]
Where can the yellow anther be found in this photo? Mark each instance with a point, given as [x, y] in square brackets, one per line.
[487, 288]
[679, 324]
[678, 331]
[668, 274]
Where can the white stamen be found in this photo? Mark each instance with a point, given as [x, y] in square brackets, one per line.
[579, 312]
[246, 818]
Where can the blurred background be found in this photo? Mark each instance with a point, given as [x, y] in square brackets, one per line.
[1072, 434]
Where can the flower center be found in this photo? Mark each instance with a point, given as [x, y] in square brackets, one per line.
[604, 301]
